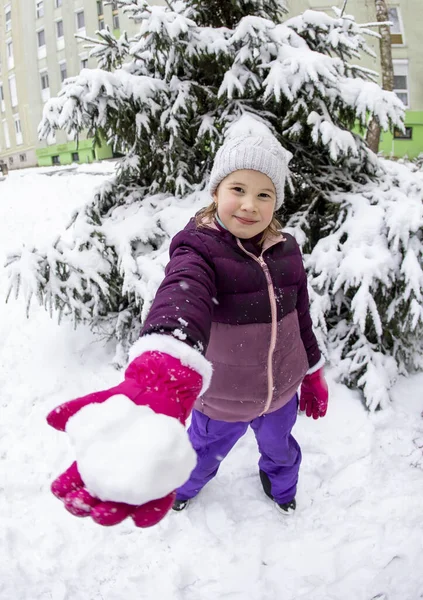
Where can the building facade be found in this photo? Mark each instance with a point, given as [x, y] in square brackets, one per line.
[38, 50]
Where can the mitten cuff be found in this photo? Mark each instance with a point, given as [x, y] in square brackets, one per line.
[180, 350]
[317, 366]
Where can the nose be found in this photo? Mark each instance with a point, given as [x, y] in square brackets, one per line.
[248, 204]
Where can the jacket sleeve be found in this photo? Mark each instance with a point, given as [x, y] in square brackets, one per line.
[315, 359]
[183, 305]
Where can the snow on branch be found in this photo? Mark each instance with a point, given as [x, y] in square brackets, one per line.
[370, 266]
[342, 34]
[368, 97]
[86, 100]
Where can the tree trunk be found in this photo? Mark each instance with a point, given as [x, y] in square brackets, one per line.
[373, 131]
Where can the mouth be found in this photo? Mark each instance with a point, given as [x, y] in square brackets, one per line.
[245, 221]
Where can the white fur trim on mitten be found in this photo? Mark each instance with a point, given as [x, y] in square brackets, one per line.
[169, 345]
[317, 366]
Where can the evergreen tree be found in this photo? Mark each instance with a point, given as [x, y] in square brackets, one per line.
[197, 72]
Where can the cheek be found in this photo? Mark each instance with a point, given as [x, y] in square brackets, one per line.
[267, 212]
[227, 205]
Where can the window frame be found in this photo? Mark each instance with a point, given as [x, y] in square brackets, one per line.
[44, 72]
[60, 37]
[401, 64]
[39, 6]
[115, 21]
[6, 133]
[399, 135]
[65, 70]
[77, 13]
[115, 16]
[13, 91]
[18, 129]
[43, 31]
[58, 3]
[10, 57]
[8, 22]
[397, 38]
[2, 98]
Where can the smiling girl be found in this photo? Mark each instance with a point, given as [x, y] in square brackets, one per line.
[228, 338]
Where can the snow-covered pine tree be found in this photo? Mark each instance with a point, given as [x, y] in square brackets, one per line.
[196, 72]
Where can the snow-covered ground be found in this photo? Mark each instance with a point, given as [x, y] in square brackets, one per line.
[358, 530]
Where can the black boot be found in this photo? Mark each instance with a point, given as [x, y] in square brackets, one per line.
[265, 482]
[286, 507]
[179, 505]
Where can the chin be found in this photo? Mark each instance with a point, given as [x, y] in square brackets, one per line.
[246, 234]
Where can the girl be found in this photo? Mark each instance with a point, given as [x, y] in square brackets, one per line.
[234, 300]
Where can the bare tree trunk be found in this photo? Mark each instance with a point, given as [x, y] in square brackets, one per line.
[373, 131]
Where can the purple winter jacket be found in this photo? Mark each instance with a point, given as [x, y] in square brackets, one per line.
[249, 316]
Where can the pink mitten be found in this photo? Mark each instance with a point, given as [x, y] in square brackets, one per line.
[314, 394]
[157, 380]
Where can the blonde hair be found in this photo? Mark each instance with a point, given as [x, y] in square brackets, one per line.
[208, 214]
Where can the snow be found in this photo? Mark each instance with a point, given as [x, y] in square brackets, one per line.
[357, 533]
[128, 453]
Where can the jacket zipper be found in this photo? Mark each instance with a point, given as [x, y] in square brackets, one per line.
[273, 312]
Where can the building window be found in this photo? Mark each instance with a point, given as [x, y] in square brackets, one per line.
[41, 41]
[10, 160]
[116, 22]
[18, 130]
[8, 17]
[58, 3]
[101, 23]
[22, 157]
[63, 71]
[13, 91]
[44, 80]
[6, 134]
[10, 56]
[39, 8]
[100, 10]
[80, 20]
[403, 135]
[397, 34]
[2, 102]
[59, 29]
[75, 156]
[115, 15]
[41, 38]
[401, 81]
[45, 86]
[84, 63]
[55, 160]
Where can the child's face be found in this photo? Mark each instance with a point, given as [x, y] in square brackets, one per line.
[245, 202]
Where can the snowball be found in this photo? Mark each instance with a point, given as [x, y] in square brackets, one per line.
[129, 453]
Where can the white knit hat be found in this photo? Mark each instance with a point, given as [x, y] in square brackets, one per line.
[258, 152]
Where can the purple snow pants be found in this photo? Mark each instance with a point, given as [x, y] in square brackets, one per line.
[280, 454]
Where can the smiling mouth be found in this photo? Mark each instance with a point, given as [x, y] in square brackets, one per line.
[245, 221]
